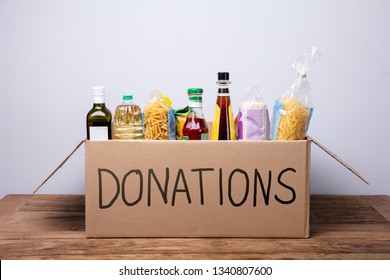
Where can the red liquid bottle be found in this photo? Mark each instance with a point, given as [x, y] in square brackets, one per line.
[195, 127]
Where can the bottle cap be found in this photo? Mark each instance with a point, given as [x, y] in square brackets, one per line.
[127, 97]
[98, 94]
[195, 91]
[223, 76]
[98, 90]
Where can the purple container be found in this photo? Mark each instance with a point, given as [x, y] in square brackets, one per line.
[253, 124]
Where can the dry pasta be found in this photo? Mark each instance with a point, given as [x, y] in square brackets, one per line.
[294, 117]
[293, 111]
[156, 120]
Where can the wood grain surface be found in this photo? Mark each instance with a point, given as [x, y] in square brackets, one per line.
[52, 227]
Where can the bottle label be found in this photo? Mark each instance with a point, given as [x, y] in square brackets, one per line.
[203, 136]
[98, 133]
[231, 124]
[215, 128]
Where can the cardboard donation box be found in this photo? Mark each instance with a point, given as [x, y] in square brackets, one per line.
[197, 188]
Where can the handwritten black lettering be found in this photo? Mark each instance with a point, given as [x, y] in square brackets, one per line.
[139, 173]
[265, 193]
[101, 206]
[230, 187]
[164, 192]
[286, 186]
[180, 174]
[200, 170]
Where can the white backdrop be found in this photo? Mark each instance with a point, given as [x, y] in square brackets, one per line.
[53, 52]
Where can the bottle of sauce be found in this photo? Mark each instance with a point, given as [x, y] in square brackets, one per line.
[223, 125]
[99, 117]
[195, 127]
[127, 124]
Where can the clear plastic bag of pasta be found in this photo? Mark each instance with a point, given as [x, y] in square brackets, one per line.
[293, 110]
[159, 118]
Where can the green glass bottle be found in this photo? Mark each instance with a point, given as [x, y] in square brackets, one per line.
[99, 118]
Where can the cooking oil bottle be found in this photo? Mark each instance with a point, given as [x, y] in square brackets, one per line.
[127, 124]
[99, 117]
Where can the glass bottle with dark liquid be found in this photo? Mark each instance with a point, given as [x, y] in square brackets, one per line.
[99, 117]
[223, 125]
[195, 127]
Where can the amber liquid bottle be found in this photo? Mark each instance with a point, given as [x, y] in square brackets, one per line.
[99, 117]
[223, 125]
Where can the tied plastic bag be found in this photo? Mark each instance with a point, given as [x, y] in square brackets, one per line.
[253, 119]
[159, 118]
[293, 111]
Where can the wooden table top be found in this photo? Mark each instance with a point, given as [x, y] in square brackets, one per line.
[52, 227]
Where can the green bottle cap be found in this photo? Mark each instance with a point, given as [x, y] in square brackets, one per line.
[195, 91]
[127, 97]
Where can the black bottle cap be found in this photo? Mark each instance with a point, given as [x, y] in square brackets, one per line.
[223, 76]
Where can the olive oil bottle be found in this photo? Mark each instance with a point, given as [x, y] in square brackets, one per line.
[99, 118]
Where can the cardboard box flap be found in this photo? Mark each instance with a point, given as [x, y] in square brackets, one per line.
[60, 165]
[337, 158]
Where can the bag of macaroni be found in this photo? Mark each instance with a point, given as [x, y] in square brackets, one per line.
[293, 110]
[159, 118]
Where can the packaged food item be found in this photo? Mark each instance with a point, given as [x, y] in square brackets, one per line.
[195, 127]
[291, 119]
[99, 118]
[159, 118]
[293, 111]
[223, 125]
[127, 124]
[180, 117]
[253, 118]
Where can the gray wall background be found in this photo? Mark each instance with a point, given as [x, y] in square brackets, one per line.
[53, 52]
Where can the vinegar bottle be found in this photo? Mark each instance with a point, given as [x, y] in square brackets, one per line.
[99, 117]
[127, 124]
[195, 127]
[223, 124]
